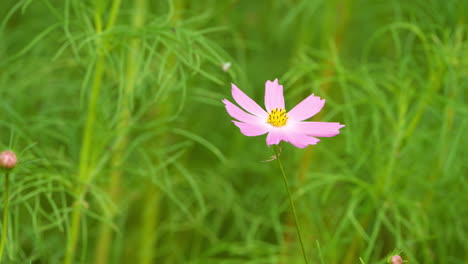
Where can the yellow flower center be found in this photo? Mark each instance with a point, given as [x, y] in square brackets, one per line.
[277, 117]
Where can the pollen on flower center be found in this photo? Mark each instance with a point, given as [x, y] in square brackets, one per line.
[277, 117]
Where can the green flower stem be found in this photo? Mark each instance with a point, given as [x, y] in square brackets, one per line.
[84, 166]
[114, 188]
[5, 216]
[152, 195]
[286, 185]
[85, 153]
[149, 225]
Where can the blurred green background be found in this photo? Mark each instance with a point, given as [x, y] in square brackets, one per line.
[128, 156]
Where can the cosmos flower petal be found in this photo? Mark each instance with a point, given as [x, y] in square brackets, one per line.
[301, 140]
[273, 95]
[252, 129]
[319, 129]
[246, 102]
[307, 108]
[274, 137]
[239, 114]
[293, 135]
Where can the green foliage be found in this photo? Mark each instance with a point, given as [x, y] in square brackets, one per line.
[114, 109]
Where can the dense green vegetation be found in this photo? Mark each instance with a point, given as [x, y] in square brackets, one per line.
[127, 154]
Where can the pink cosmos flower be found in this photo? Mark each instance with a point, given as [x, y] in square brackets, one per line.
[276, 121]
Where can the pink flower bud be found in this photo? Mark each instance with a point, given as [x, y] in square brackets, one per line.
[8, 159]
[397, 260]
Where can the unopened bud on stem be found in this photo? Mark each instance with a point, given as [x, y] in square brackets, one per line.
[397, 259]
[8, 159]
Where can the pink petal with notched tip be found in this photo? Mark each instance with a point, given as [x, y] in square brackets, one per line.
[273, 95]
[239, 114]
[301, 140]
[246, 102]
[319, 129]
[292, 135]
[307, 108]
[252, 129]
[274, 137]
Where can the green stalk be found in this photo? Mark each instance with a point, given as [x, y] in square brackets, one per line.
[105, 234]
[84, 163]
[286, 185]
[149, 222]
[152, 196]
[5, 216]
[85, 153]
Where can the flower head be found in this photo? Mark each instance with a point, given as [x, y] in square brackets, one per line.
[8, 159]
[280, 124]
[226, 66]
[396, 259]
